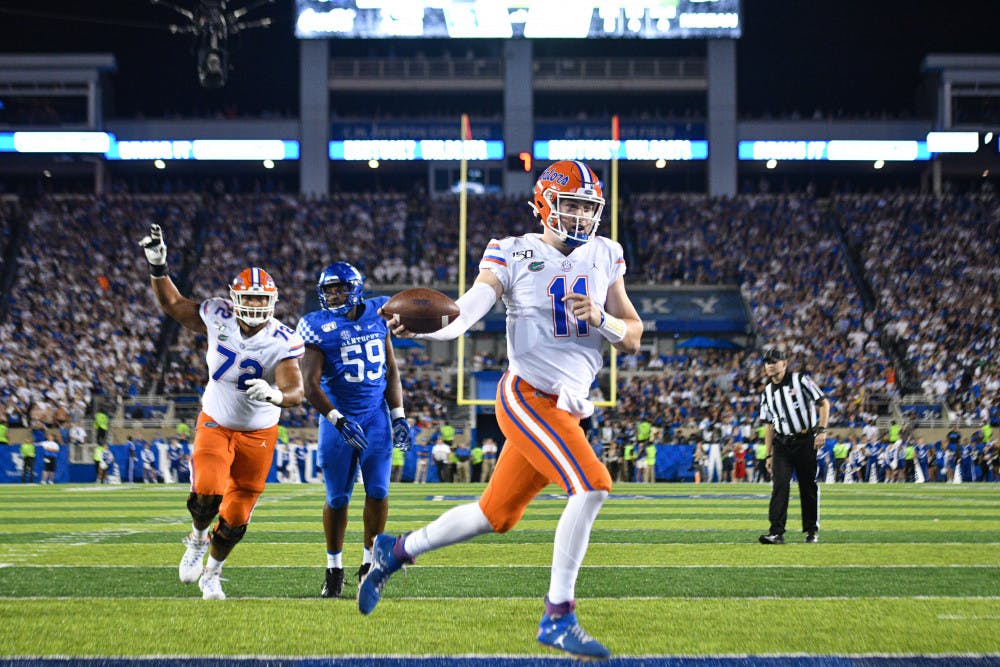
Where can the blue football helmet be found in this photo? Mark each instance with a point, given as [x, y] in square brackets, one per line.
[350, 281]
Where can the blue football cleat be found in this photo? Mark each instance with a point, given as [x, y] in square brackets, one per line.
[564, 633]
[384, 563]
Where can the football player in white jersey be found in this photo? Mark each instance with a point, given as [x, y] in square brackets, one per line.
[565, 294]
[253, 373]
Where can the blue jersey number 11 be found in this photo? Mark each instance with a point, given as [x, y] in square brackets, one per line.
[560, 316]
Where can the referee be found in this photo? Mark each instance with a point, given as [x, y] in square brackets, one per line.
[795, 413]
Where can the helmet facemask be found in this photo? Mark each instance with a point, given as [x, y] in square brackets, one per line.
[572, 229]
[351, 290]
[348, 279]
[253, 315]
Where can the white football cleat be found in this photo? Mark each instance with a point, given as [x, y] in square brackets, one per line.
[211, 586]
[192, 563]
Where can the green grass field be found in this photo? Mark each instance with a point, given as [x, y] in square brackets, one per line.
[901, 569]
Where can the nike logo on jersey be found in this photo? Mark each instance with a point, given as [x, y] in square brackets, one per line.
[263, 444]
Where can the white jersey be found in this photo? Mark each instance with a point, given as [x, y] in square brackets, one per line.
[546, 345]
[233, 360]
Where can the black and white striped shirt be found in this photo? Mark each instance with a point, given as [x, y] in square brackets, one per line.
[790, 406]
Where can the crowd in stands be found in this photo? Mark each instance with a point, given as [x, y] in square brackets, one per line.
[792, 271]
[81, 326]
[717, 386]
[82, 323]
[932, 263]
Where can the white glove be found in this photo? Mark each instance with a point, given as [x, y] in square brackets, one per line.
[258, 389]
[154, 247]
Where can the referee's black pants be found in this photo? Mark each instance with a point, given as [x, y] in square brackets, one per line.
[798, 454]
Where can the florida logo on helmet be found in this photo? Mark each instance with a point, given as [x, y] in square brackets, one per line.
[569, 200]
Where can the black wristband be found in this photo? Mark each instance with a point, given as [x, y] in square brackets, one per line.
[820, 429]
[158, 270]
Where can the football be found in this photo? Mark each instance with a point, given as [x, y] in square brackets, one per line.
[421, 310]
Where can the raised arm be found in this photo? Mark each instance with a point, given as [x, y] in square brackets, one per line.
[182, 309]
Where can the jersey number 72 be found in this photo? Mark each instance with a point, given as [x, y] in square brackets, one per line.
[251, 367]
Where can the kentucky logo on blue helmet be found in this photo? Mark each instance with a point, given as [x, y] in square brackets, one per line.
[349, 281]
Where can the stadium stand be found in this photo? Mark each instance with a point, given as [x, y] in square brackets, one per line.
[861, 277]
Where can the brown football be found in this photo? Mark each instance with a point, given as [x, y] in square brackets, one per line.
[421, 310]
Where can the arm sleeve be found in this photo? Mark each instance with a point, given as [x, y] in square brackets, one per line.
[473, 306]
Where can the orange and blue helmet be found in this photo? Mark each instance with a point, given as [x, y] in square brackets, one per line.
[253, 282]
[574, 182]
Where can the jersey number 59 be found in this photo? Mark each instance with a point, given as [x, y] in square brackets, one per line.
[354, 357]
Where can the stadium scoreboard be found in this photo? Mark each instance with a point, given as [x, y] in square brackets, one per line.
[513, 19]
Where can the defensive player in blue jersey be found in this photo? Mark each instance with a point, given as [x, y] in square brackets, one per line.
[351, 377]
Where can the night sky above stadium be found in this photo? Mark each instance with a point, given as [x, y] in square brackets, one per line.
[854, 56]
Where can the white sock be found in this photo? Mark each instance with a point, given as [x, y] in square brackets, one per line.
[213, 565]
[571, 541]
[366, 557]
[334, 560]
[200, 533]
[456, 525]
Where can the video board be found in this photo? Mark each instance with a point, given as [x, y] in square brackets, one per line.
[515, 19]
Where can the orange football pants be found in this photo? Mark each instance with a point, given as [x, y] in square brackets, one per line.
[231, 464]
[543, 444]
